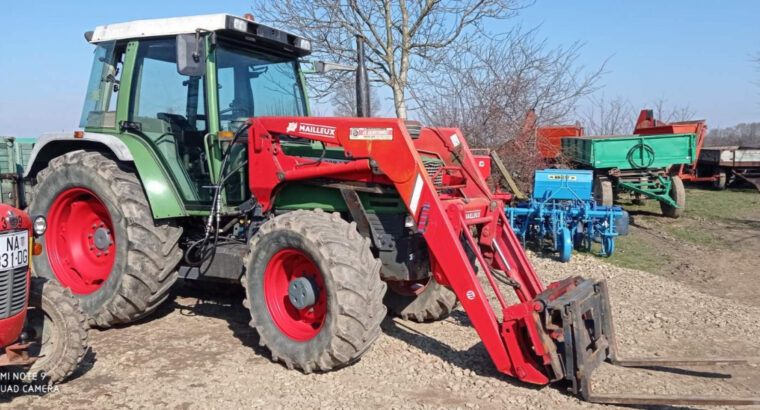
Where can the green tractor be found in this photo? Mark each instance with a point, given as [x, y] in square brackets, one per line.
[131, 201]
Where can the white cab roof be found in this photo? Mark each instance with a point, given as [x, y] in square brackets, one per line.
[160, 27]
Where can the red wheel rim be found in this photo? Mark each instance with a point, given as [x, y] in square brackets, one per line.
[80, 241]
[298, 324]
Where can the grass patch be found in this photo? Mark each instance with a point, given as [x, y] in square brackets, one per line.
[729, 206]
[734, 208]
[693, 234]
[633, 252]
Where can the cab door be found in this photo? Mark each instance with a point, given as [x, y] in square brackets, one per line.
[170, 111]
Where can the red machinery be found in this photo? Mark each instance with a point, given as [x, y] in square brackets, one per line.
[648, 125]
[549, 138]
[42, 329]
[562, 331]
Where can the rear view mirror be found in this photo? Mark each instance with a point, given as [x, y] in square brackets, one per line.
[191, 55]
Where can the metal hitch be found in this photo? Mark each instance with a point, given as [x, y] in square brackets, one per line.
[578, 317]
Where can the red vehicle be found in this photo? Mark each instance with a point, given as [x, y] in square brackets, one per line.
[31, 307]
[648, 125]
[549, 138]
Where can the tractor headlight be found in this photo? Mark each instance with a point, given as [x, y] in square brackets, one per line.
[39, 226]
[240, 25]
[303, 44]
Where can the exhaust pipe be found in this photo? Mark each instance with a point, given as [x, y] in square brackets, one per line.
[362, 80]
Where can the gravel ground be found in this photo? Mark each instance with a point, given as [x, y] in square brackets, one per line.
[197, 353]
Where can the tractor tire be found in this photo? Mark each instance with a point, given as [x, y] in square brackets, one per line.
[678, 194]
[603, 194]
[434, 302]
[102, 241]
[340, 318]
[60, 332]
[720, 183]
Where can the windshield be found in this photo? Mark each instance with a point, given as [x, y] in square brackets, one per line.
[255, 84]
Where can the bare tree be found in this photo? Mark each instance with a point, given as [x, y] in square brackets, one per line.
[401, 35]
[487, 88]
[747, 134]
[666, 113]
[343, 99]
[608, 116]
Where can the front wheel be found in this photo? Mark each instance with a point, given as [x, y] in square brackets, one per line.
[102, 242]
[314, 291]
[602, 189]
[58, 329]
[678, 195]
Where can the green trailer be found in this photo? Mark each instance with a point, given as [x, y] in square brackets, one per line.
[14, 155]
[635, 164]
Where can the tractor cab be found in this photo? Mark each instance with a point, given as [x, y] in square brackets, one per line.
[184, 85]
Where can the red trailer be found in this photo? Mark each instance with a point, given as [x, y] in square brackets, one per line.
[549, 138]
[648, 125]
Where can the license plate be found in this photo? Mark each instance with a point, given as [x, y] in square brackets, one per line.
[14, 250]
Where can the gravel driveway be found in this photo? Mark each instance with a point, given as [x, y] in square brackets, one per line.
[197, 353]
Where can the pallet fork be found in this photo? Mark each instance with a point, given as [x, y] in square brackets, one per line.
[558, 332]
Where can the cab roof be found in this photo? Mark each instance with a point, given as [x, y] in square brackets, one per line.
[227, 23]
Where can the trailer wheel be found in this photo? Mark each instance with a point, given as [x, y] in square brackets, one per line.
[59, 329]
[640, 199]
[720, 183]
[102, 242]
[603, 191]
[678, 194]
[420, 302]
[314, 291]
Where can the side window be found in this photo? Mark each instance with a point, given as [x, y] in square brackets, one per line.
[170, 109]
[99, 109]
[164, 100]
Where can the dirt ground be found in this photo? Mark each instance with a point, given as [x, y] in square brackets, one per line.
[714, 247]
[198, 351]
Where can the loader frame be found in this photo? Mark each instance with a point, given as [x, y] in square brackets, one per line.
[562, 331]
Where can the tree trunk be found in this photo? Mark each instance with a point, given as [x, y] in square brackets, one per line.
[399, 102]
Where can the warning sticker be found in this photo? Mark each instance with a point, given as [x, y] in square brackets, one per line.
[371, 134]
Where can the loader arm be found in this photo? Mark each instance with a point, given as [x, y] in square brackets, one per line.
[383, 152]
[559, 332]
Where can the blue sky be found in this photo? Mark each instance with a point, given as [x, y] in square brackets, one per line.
[694, 53]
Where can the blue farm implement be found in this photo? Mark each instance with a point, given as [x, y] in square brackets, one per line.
[562, 213]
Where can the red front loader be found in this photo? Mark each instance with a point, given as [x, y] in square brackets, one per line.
[562, 331]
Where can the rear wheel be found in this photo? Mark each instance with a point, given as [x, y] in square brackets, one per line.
[603, 191]
[102, 242]
[59, 331]
[678, 194]
[313, 289]
[420, 301]
[720, 183]
[640, 199]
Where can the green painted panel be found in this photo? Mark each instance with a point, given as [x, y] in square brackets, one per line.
[303, 196]
[631, 152]
[162, 195]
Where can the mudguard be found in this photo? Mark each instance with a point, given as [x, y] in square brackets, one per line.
[164, 199]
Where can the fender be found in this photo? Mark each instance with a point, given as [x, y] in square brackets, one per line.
[165, 201]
